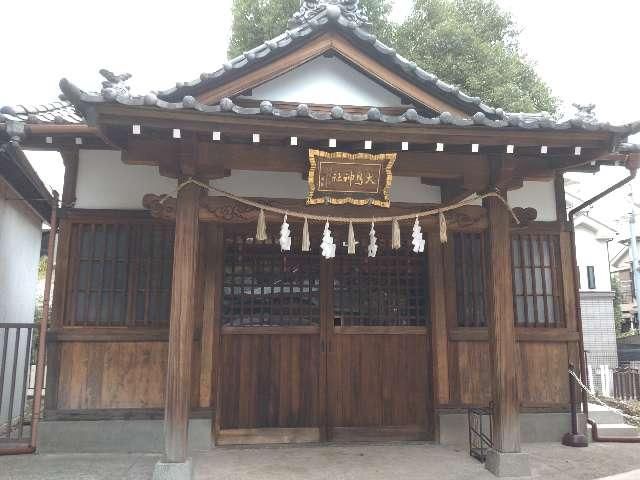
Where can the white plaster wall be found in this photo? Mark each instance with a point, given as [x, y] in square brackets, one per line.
[20, 235]
[326, 81]
[592, 251]
[105, 182]
[539, 195]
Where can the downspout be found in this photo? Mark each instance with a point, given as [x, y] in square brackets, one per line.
[633, 167]
[633, 248]
[44, 324]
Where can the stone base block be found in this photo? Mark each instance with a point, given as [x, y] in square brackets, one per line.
[508, 464]
[173, 471]
[575, 440]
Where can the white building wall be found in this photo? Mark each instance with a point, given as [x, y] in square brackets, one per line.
[592, 251]
[20, 237]
[105, 182]
[538, 195]
[326, 81]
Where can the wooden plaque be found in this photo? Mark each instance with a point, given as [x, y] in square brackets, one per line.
[339, 178]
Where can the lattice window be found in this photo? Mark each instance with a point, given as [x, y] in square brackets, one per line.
[266, 287]
[469, 255]
[537, 280]
[120, 274]
[388, 290]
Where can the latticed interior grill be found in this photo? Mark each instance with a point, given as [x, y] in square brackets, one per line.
[266, 287]
[387, 290]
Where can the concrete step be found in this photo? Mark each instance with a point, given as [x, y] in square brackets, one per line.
[600, 414]
[616, 430]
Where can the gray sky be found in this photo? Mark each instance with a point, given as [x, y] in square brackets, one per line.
[584, 49]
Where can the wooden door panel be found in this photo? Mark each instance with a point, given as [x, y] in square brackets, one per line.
[269, 381]
[379, 381]
[269, 347]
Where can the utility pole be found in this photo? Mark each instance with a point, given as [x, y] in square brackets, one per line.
[634, 252]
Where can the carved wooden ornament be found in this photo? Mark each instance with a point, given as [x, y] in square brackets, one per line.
[342, 178]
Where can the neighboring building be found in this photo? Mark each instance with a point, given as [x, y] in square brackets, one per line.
[25, 204]
[621, 269]
[172, 312]
[596, 296]
[629, 351]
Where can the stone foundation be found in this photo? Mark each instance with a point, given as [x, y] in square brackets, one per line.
[147, 436]
[534, 427]
[115, 436]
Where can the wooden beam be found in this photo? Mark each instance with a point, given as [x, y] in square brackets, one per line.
[225, 210]
[152, 117]
[502, 339]
[216, 159]
[181, 327]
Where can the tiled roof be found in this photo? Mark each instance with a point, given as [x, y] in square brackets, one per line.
[60, 112]
[314, 17]
[118, 94]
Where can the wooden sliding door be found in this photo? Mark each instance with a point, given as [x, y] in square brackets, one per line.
[269, 358]
[378, 348]
[312, 350]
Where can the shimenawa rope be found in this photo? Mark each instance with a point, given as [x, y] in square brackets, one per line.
[600, 402]
[322, 218]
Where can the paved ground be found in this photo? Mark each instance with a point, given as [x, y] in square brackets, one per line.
[370, 462]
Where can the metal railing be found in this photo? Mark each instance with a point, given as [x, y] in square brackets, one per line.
[626, 383]
[15, 363]
[480, 432]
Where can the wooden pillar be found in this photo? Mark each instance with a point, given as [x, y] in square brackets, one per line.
[70, 158]
[437, 300]
[502, 340]
[213, 259]
[182, 319]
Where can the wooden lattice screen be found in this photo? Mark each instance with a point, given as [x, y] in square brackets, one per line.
[537, 280]
[120, 274]
[266, 287]
[537, 283]
[388, 290]
[469, 256]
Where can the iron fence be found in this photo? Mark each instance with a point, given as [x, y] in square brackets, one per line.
[626, 383]
[16, 341]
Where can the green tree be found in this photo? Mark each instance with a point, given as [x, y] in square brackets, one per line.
[617, 307]
[471, 43]
[474, 45]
